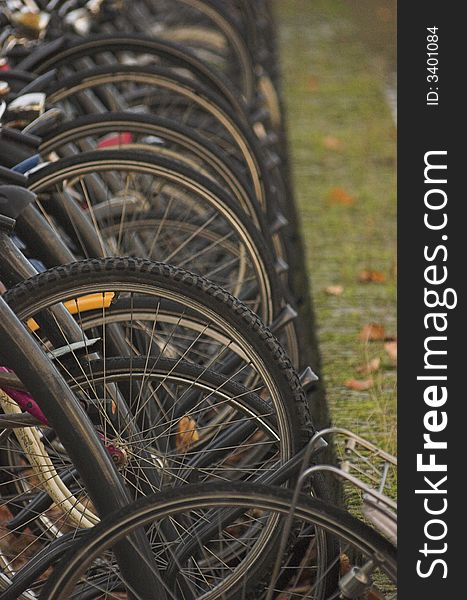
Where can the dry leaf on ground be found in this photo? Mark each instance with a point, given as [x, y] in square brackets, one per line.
[373, 332]
[332, 143]
[312, 83]
[384, 13]
[334, 290]
[371, 366]
[359, 385]
[369, 276]
[339, 196]
[391, 349]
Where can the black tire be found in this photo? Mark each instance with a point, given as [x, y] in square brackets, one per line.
[354, 537]
[243, 141]
[88, 276]
[259, 345]
[164, 52]
[240, 64]
[260, 256]
[177, 135]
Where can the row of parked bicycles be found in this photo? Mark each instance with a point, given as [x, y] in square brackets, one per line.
[155, 430]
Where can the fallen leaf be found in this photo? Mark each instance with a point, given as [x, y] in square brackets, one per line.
[187, 434]
[312, 83]
[359, 385]
[385, 13]
[369, 276]
[334, 290]
[391, 349]
[332, 143]
[339, 196]
[373, 332]
[371, 366]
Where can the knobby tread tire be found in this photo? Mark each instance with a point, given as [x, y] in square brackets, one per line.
[195, 287]
[333, 520]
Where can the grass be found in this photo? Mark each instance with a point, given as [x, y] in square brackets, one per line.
[342, 136]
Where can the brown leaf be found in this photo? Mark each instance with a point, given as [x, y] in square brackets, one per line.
[334, 290]
[339, 196]
[373, 332]
[359, 385]
[312, 83]
[369, 276]
[385, 13]
[187, 434]
[371, 366]
[391, 349]
[332, 143]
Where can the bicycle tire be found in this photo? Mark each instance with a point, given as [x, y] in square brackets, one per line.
[66, 169]
[244, 69]
[175, 55]
[224, 168]
[218, 306]
[244, 141]
[332, 520]
[143, 274]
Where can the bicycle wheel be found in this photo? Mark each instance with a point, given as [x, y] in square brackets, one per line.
[195, 425]
[198, 322]
[97, 50]
[246, 419]
[154, 134]
[205, 28]
[153, 207]
[169, 139]
[206, 325]
[120, 87]
[214, 519]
